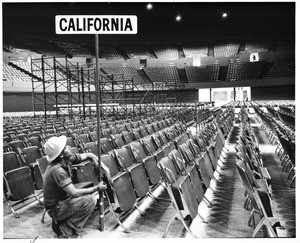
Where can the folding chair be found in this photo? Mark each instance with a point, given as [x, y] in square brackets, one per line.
[181, 192]
[117, 140]
[11, 161]
[34, 141]
[262, 204]
[106, 145]
[152, 148]
[91, 147]
[137, 172]
[189, 169]
[127, 137]
[148, 160]
[19, 185]
[120, 192]
[14, 145]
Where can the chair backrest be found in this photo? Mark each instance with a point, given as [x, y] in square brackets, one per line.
[10, 161]
[35, 141]
[71, 142]
[178, 160]
[186, 152]
[84, 138]
[105, 133]
[247, 183]
[106, 145]
[93, 136]
[30, 154]
[117, 140]
[19, 183]
[127, 137]
[111, 164]
[14, 145]
[135, 133]
[124, 156]
[138, 150]
[149, 144]
[92, 147]
[169, 171]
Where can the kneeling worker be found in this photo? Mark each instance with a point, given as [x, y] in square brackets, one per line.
[68, 206]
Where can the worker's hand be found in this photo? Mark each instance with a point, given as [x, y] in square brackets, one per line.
[102, 186]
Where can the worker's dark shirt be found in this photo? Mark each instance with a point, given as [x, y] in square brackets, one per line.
[57, 176]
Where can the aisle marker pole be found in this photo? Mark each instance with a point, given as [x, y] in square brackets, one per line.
[97, 24]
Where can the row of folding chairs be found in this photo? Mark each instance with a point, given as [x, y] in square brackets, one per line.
[23, 175]
[33, 159]
[284, 141]
[256, 179]
[133, 171]
[187, 172]
[133, 167]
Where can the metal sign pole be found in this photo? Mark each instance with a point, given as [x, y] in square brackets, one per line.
[101, 203]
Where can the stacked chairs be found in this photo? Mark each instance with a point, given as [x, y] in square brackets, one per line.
[256, 179]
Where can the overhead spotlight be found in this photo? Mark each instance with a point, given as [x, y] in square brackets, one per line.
[178, 17]
[224, 15]
[149, 6]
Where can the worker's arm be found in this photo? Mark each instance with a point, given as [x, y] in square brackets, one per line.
[94, 158]
[77, 192]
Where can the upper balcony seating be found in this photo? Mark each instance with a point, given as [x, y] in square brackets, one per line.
[209, 73]
[74, 49]
[12, 74]
[45, 47]
[282, 68]
[244, 70]
[129, 73]
[109, 52]
[258, 44]
[136, 50]
[168, 52]
[195, 49]
[163, 74]
[226, 49]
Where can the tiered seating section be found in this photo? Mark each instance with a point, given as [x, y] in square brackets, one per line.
[226, 49]
[244, 70]
[210, 73]
[164, 75]
[282, 68]
[74, 49]
[195, 49]
[44, 47]
[124, 73]
[136, 50]
[14, 75]
[258, 44]
[168, 52]
[109, 52]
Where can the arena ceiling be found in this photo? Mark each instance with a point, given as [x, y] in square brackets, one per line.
[37, 19]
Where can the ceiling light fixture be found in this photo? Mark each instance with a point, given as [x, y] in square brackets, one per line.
[178, 17]
[149, 6]
[224, 15]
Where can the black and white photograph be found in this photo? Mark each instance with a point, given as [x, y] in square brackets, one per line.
[148, 120]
